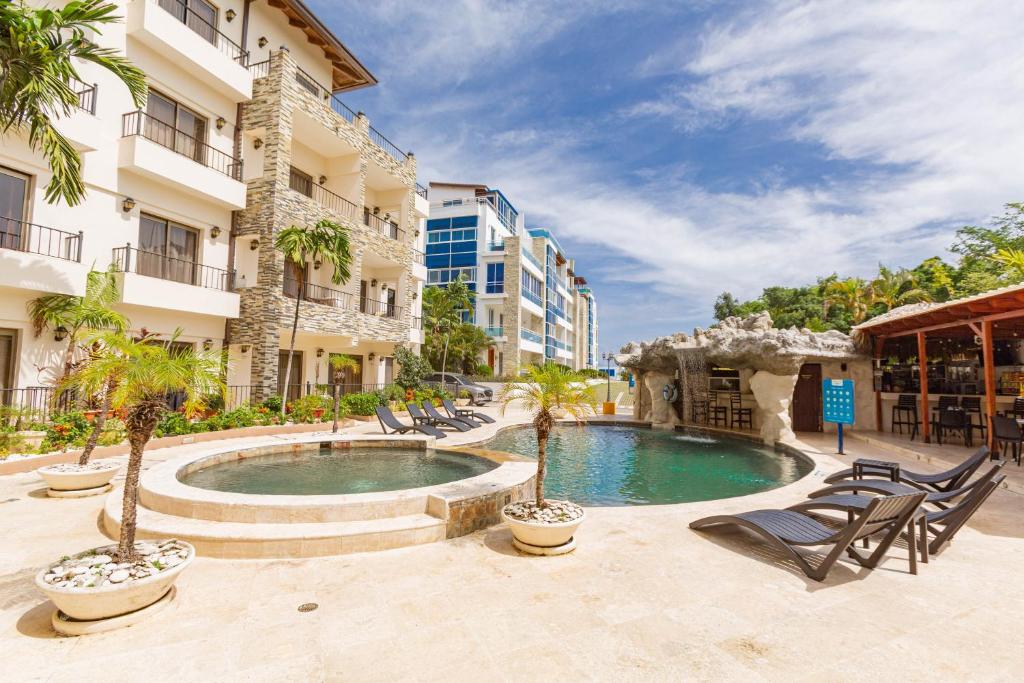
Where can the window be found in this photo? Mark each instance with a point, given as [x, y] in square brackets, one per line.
[13, 207]
[8, 347]
[167, 250]
[444, 236]
[175, 126]
[532, 288]
[198, 15]
[307, 83]
[442, 276]
[495, 278]
[300, 181]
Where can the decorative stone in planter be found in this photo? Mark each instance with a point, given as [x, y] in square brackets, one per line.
[93, 593]
[544, 531]
[71, 480]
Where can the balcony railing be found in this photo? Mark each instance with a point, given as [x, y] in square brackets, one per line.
[418, 257]
[29, 238]
[388, 228]
[421, 191]
[321, 195]
[142, 124]
[379, 308]
[532, 296]
[260, 69]
[496, 246]
[310, 84]
[494, 331]
[317, 294]
[532, 259]
[205, 30]
[23, 406]
[86, 96]
[417, 323]
[130, 260]
[391, 148]
[530, 335]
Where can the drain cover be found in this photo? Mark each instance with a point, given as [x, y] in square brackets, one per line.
[308, 606]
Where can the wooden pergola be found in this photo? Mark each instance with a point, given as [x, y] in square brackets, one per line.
[998, 314]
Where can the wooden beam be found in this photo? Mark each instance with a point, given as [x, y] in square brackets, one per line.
[879, 345]
[922, 361]
[974, 328]
[988, 358]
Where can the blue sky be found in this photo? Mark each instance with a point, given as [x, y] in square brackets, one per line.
[682, 149]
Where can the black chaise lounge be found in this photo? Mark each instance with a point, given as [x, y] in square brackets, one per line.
[419, 418]
[431, 410]
[389, 421]
[884, 487]
[787, 529]
[942, 524]
[942, 481]
[461, 413]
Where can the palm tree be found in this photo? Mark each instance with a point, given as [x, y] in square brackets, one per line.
[340, 363]
[76, 314]
[442, 313]
[325, 242]
[141, 374]
[895, 288]
[38, 50]
[543, 391]
[1013, 261]
[851, 294]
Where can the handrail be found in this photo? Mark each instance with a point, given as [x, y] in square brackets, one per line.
[86, 95]
[418, 257]
[128, 259]
[388, 228]
[494, 331]
[205, 30]
[532, 259]
[530, 335]
[391, 148]
[166, 135]
[421, 191]
[417, 322]
[317, 294]
[260, 69]
[29, 238]
[321, 195]
[378, 307]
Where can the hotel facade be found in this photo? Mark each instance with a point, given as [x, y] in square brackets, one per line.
[243, 134]
[529, 300]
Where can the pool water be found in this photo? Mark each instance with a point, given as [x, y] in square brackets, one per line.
[337, 470]
[605, 465]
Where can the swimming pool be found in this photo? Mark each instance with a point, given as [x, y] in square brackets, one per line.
[603, 465]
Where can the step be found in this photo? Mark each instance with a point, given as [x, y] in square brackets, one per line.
[262, 540]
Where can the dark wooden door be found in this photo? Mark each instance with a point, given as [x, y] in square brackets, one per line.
[807, 399]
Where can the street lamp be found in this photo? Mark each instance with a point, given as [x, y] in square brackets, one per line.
[608, 358]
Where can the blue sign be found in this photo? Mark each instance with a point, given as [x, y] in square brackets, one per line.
[837, 401]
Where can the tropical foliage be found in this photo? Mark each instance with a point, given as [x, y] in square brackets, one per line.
[451, 343]
[340, 363]
[412, 368]
[39, 81]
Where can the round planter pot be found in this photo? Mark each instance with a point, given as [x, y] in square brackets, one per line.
[540, 538]
[98, 479]
[115, 600]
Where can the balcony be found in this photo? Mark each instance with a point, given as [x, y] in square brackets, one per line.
[322, 196]
[384, 226]
[80, 125]
[185, 38]
[160, 151]
[531, 341]
[420, 203]
[532, 260]
[381, 309]
[495, 332]
[41, 259]
[158, 281]
[419, 268]
[318, 295]
[416, 335]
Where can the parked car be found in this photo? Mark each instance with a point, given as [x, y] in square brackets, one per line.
[478, 393]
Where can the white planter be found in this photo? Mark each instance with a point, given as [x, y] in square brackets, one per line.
[76, 481]
[544, 538]
[116, 599]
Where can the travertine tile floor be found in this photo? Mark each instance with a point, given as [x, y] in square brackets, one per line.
[643, 598]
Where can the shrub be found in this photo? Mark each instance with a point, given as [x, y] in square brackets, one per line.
[243, 416]
[483, 370]
[66, 429]
[114, 432]
[391, 393]
[173, 424]
[361, 404]
[412, 368]
[10, 442]
[272, 403]
[305, 409]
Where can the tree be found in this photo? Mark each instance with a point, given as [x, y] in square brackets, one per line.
[145, 372]
[544, 391]
[466, 343]
[726, 305]
[38, 51]
[935, 276]
[340, 363]
[1012, 261]
[77, 314]
[852, 294]
[442, 313]
[412, 368]
[895, 288]
[326, 242]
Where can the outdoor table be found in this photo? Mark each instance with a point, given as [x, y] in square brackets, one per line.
[860, 464]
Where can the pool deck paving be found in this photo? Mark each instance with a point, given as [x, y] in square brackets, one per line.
[642, 598]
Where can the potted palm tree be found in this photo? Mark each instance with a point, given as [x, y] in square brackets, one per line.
[340, 363]
[106, 587]
[541, 526]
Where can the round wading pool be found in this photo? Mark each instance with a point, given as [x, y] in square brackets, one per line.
[619, 465]
[325, 471]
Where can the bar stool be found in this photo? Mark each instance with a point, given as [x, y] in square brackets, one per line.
[1018, 408]
[905, 413]
[945, 403]
[972, 406]
[1007, 431]
[718, 414]
[699, 411]
[738, 415]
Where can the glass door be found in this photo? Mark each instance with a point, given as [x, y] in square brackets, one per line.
[152, 246]
[13, 203]
[351, 379]
[7, 346]
[294, 378]
[175, 126]
[161, 114]
[205, 19]
[167, 250]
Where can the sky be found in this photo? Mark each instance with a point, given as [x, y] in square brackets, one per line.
[681, 149]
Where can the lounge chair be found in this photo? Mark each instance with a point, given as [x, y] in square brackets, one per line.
[941, 481]
[942, 524]
[788, 529]
[431, 410]
[460, 413]
[419, 418]
[388, 420]
[884, 487]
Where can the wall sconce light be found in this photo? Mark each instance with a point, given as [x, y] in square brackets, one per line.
[127, 204]
[207, 344]
[383, 285]
[371, 356]
[415, 295]
[322, 179]
[230, 15]
[215, 232]
[244, 348]
[417, 232]
[60, 334]
[254, 245]
[257, 143]
[319, 353]
[221, 122]
[373, 282]
[316, 265]
[262, 42]
[376, 210]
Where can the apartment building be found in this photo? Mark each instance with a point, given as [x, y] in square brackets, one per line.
[244, 133]
[526, 295]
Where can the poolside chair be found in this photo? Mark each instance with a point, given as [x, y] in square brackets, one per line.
[431, 410]
[418, 417]
[388, 420]
[460, 413]
[941, 481]
[884, 487]
[942, 524]
[1008, 433]
[789, 529]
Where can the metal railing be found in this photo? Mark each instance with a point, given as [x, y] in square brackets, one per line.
[421, 191]
[379, 308]
[494, 331]
[317, 294]
[128, 259]
[418, 257]
[29, 238]
[165, 135]
[530, 335]
[321, 195]
[496, 246]
[388, 228]
[21, 407]
[260, 69]
[391, 148]
[417, 323]
[531, 296]
[86, 96]
[314, 88]
[205, 30]
[532, 259]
